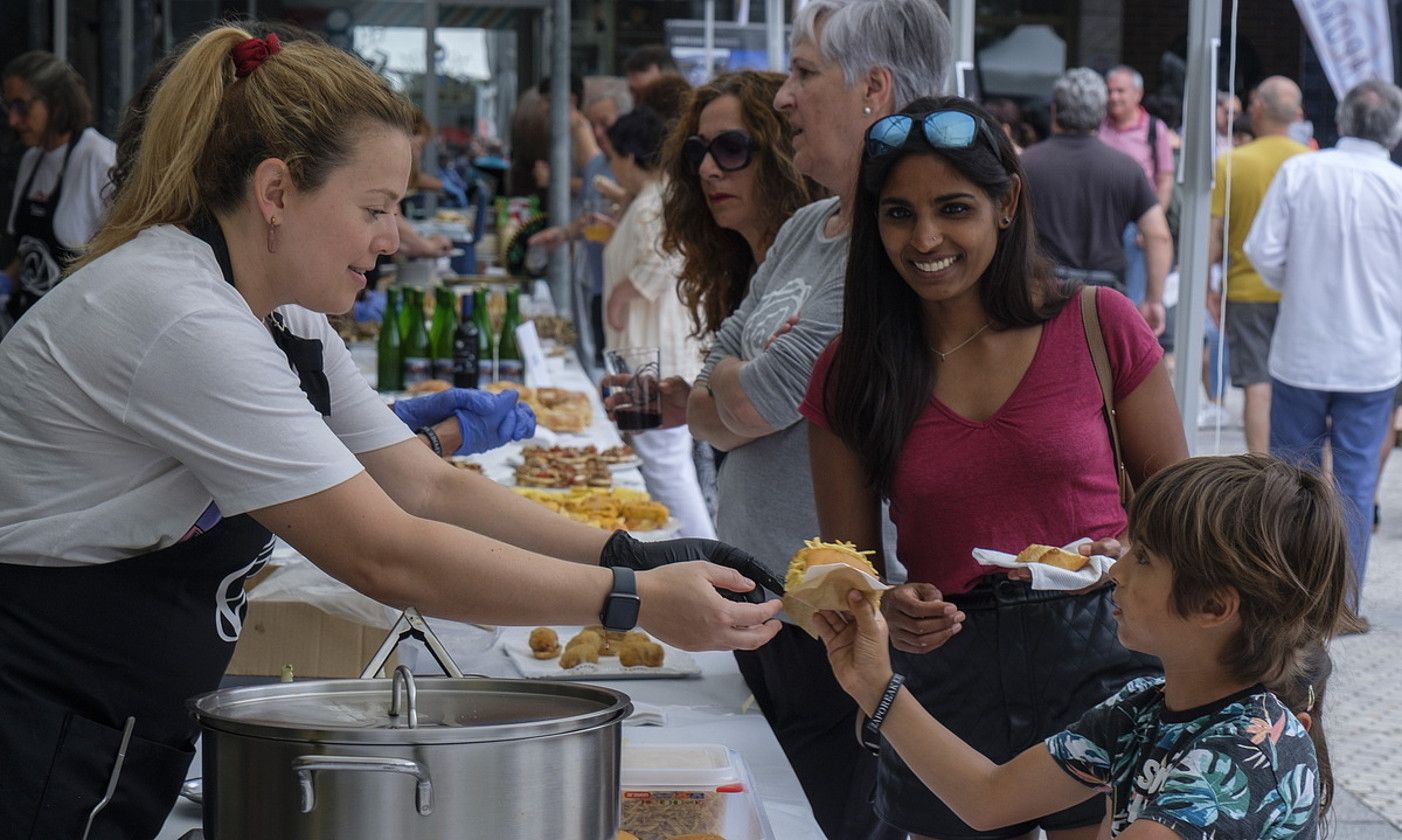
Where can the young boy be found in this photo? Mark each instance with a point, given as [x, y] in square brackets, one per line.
[1236, 565]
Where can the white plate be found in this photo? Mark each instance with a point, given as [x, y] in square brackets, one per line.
[626, 464]
[676, 664]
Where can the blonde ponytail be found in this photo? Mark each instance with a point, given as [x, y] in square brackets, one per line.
[206, 131]
[162, 188]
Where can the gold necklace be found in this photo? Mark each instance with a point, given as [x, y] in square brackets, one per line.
[945, 354]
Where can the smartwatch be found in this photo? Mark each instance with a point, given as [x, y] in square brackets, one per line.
[620, 610]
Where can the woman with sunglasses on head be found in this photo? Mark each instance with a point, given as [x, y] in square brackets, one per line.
[62, 181]
[851, 62]
[180, 397]
[962, 389]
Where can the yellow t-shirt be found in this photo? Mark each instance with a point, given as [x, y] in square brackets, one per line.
[1253, 167]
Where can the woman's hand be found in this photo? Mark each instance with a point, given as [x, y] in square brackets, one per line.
[788, 325]
[617, 306]
[681, 606]
[674, 390]
[857, 649]
[1108, 547]
[919, 617]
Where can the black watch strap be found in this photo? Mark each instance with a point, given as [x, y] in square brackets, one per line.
[620, 610]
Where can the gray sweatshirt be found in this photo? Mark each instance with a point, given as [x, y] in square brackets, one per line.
[765, 488]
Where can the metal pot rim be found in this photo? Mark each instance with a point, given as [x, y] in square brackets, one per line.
[215, 711]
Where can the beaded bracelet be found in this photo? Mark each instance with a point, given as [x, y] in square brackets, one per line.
[433, 441]
[871, 729]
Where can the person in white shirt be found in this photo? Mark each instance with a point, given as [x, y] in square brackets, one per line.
[181, 397]
[62, 183]
[1329, 237]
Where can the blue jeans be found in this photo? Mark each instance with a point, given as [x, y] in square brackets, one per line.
[1136, 275]
[1354, 424]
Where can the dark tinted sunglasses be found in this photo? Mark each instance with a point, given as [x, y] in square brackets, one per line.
[731, 150]
[941, 129]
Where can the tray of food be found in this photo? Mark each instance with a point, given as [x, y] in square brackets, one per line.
[607, 508]
[557, 409]
[593, 653]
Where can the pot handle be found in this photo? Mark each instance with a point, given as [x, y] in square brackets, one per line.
[306, 765]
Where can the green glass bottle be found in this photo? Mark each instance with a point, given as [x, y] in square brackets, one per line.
[418, 365]
[440, 333]
[411, 302]
[389, 367]
[486, 343]
[510, 366]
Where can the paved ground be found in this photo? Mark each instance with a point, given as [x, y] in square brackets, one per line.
[1363, 713]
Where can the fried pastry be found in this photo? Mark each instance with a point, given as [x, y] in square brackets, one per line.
[1053, 556]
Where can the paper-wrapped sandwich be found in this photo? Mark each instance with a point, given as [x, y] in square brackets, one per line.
[1053, 556]
[821, 574]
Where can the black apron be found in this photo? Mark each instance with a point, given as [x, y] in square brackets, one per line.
[41, 257]
[82, 648]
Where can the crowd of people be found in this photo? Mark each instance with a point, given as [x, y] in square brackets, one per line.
[884, 315]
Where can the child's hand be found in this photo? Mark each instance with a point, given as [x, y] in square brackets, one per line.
[857, 649]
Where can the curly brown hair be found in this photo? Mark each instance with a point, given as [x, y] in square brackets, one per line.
[717, 263]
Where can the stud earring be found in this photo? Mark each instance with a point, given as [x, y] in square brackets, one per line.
[1006, 221]
[867, 110]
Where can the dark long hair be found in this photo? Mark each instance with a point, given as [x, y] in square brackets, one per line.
[882, 376]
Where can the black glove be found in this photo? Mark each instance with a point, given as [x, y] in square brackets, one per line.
[623, 550]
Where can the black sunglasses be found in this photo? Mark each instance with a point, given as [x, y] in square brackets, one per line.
[731, 150]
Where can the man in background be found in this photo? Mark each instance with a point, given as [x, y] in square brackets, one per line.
[1252, 309]
[1329, 237]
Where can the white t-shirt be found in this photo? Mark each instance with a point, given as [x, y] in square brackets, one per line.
[86, 186]
[143, 388]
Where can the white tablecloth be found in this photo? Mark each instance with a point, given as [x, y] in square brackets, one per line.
[701, 710]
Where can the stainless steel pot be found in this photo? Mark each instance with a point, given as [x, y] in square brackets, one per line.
[443, 758]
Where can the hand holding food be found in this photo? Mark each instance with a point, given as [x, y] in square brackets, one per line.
[918, 617]
[807, 593]
[623, 550]
[858, 648]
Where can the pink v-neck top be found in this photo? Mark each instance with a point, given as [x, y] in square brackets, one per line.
[1039, 470]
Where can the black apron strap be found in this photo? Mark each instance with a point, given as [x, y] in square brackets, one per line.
[305, 355]
[41, 256]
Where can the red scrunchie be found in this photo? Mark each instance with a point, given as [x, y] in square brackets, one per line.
[253, 52]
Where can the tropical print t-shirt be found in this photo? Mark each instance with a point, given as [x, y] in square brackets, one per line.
[1240, 767]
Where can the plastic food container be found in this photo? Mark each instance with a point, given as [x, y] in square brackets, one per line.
[671, 789]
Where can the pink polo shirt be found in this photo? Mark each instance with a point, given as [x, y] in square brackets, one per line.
[1040, 470]
[1134, 141]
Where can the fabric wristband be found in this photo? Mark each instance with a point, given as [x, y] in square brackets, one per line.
[871, 729]
[433, 441]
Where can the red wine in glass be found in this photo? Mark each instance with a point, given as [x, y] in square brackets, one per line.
[636, 419]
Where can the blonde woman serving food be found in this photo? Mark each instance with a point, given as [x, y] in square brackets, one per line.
[181, 397]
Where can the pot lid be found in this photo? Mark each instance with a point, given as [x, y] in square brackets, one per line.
[448, 710]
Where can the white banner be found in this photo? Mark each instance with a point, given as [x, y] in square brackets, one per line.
[1353, 39]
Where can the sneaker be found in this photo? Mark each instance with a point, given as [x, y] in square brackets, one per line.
[1213, 413]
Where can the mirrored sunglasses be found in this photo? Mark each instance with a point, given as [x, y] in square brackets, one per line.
[731, 150]
[941, 129]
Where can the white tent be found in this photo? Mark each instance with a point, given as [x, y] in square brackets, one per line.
[1026, 63]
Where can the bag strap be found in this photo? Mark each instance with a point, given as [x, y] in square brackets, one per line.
[1090, 316]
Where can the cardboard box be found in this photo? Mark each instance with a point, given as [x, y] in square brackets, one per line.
[284, 630]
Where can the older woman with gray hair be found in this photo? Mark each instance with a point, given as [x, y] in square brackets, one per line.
[852, 62]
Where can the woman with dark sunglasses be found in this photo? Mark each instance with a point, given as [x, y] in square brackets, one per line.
[731, 184]
[62, 183]
[962, 390]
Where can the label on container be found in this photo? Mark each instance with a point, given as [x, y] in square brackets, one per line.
[486, 371]
[417, 369]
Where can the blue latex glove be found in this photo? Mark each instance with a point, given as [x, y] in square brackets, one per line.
[372, 308]
[486, 420]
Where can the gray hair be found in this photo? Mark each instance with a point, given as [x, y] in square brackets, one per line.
[1135, 77]
[599, 88]
[1372, 110]
[1079, 96]
[911, 38]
